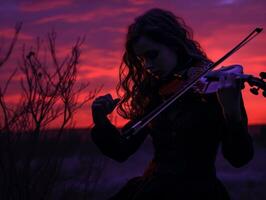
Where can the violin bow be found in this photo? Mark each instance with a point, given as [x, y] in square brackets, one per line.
[134, 129]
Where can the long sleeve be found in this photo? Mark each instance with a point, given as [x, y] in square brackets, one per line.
[110, 142]
[237, 144]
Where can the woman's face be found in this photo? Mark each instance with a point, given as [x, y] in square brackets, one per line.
[158, 59]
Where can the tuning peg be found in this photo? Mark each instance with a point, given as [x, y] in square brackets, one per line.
[254, 90]
[263, 75]
[242, 85]
[264, 93]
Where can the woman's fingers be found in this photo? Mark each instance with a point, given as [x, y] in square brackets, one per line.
[229, 91]
[116, 101]
[222, 81]
[105, 104]
[229, 81]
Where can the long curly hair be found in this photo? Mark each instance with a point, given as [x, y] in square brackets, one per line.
[137, 86]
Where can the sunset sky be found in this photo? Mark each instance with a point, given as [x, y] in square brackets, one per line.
[217, 24]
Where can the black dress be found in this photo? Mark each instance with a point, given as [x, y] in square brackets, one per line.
[186, 138]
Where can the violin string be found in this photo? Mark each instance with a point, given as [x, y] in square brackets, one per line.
[153, 114]
[161, 108]
[237, 47]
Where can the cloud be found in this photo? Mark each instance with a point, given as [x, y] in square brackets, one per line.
[13, 99]
[87, 16]
[224, 2]
[106, 82]
[93, 73]
[218, 26]
[122, 30]
[101, 58]
[38, 6]
[140, 2]
[8, 33]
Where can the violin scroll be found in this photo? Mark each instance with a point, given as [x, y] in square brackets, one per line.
[263, 75]
[258, 83]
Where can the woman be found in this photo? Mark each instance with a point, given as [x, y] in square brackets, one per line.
[159, 50]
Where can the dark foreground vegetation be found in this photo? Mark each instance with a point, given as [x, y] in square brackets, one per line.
[75, 169]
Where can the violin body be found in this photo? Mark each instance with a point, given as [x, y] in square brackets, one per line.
[212, 85]
[211, 80]
[207, 84]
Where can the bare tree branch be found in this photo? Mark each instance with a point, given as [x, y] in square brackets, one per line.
[11, 46]
[49, 93]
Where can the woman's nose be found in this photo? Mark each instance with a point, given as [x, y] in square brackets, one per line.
[149, 68]
[149, 65]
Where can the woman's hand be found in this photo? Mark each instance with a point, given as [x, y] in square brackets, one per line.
[229, 96]
[101, 107]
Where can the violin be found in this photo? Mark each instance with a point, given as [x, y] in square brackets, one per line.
[256, 83]
[208, 77]
[209, 83]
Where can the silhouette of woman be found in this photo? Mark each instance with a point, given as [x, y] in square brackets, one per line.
[159, 48]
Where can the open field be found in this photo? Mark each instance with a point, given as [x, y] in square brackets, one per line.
[88, 175]
[246, 183]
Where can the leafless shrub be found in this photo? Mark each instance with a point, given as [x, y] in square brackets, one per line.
[50, 92]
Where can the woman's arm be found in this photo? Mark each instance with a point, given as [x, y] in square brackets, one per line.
[237, 144]
[107, 137]
[110, 142]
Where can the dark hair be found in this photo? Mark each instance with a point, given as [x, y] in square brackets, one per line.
[163, 27]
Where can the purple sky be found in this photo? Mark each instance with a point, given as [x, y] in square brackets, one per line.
[218, 25]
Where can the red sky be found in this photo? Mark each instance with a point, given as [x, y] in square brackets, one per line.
[218, 25]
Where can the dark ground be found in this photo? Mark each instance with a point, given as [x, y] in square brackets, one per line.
[83, 171]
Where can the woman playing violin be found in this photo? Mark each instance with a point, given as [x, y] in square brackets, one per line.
[160, 53]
